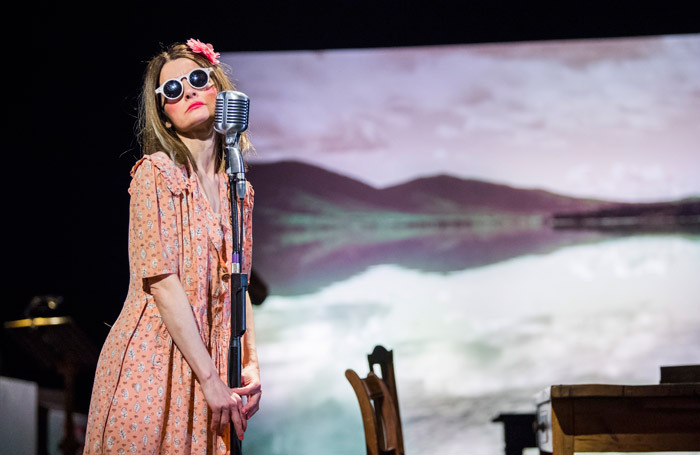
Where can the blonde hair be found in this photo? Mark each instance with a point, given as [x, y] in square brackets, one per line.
[153, 134]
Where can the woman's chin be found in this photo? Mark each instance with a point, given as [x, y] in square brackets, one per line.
[198, 128]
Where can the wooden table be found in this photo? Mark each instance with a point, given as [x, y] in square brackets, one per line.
[625, 418]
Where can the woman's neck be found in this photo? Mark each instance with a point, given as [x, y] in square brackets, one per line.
[203, 152]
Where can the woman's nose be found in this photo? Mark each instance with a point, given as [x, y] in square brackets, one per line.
[187, 88]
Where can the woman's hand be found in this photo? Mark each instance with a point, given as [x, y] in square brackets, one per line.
[225, 407]
[250, 388]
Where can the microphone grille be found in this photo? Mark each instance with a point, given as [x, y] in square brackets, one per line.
[231, 115]
[237, 112]
[219, 112]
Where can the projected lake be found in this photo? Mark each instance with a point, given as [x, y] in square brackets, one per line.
[470, 344]
[486, 294]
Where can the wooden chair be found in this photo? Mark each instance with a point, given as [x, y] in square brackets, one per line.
[385, 359]
[378, 402]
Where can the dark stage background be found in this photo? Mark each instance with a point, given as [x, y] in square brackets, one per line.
[70, 196]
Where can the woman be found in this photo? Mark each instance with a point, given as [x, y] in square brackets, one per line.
[160, 384]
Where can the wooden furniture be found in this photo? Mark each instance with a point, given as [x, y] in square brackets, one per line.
[680, 373]
[385, 359]
[378, 402]
[625, 418]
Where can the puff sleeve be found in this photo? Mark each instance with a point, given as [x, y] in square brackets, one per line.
[153, 223]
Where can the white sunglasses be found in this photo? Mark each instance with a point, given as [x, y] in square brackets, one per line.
[172, 89]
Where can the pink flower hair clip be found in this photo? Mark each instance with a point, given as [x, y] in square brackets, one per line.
[207, 50]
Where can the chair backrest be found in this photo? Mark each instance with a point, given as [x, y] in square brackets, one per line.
[385, 359]
[379, 418]
[378, 402]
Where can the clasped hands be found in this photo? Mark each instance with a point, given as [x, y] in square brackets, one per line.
[227, 404]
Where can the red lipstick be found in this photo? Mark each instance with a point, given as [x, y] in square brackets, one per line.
[195, 104]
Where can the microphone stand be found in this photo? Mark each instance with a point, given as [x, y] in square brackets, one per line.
[239, 281]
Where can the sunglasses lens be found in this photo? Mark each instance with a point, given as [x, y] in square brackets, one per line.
[172, 89]
[199, 78]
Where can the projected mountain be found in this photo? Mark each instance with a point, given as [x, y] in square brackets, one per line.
[290, 185]
[313, 227]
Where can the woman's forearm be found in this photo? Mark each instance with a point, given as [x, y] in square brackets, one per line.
[250, 355]
[250, 373]
[176, 312]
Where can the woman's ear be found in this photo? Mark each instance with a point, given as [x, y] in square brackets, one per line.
[168, 125]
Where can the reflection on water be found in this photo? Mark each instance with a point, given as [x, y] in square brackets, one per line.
[471, 343]
[321, 258]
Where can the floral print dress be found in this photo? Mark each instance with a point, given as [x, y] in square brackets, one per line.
[145, 398]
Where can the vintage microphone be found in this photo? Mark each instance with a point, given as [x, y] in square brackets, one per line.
[231, 119]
